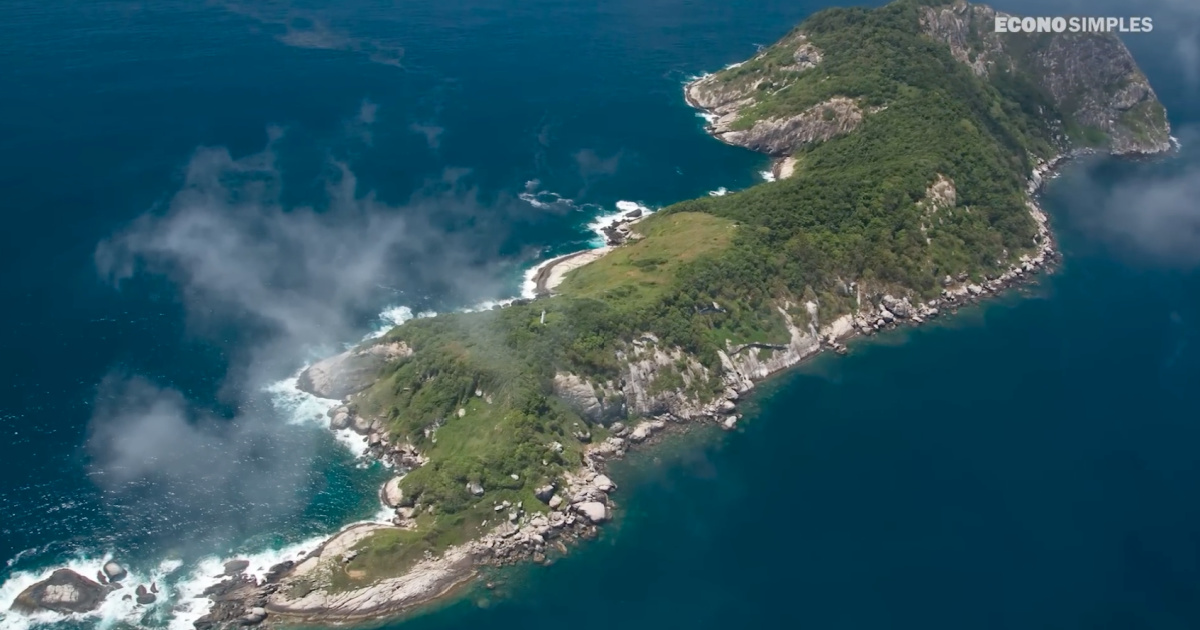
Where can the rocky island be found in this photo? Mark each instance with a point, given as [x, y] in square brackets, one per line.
[910, 142]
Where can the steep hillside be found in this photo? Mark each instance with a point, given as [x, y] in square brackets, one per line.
[916, 138]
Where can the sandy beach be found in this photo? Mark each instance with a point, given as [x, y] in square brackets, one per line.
[551, 273]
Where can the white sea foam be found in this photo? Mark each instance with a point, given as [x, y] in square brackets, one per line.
[708, 117]
[767, 175]
[393, 316]
[300, 407]
[190, 605]
[114, 609]
[602, 221]
[546, 200]
[528, 284]
[720, 192]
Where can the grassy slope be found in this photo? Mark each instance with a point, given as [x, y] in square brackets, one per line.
[852, 214]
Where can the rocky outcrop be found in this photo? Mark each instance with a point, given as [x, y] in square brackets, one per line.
[658, 380]
[393, 495]
[727, 96]
[65, 591]
[1091, 78]
[598, 403]
[746, 364]
[351, 371]
[781, 136]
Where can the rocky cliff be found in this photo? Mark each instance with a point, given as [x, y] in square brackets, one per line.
[1090, 90]
[1100, 94]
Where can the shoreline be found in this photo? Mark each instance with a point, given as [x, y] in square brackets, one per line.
[585, 502]
[460, 565]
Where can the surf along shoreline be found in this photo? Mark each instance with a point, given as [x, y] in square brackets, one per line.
[288, 594]
[243, 599]
[589, 488]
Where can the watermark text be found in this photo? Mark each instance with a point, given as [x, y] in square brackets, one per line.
[1013, 24]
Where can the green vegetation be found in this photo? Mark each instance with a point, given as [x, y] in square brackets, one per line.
[718, 270]
[639, 273]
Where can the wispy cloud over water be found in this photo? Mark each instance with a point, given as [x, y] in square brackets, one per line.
[301, 278]
[307, 29]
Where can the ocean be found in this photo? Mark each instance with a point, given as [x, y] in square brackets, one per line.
[201, 197]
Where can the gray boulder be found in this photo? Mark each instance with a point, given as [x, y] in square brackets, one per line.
[351, 371]
[236, 567]
[594, 511]
[114, 571]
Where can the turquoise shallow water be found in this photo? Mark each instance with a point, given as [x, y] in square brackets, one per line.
[1030, 463]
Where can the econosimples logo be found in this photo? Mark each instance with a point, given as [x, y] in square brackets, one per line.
[1013, 24]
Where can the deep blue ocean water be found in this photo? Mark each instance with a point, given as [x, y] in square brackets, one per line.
[182, 234]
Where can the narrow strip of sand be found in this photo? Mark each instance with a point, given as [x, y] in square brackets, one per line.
[551, 273]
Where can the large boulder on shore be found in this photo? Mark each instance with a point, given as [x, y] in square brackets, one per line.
[65, 591]
[393, 496]
[595, 511]
[351, 371]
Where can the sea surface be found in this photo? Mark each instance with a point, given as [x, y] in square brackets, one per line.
[201, 197]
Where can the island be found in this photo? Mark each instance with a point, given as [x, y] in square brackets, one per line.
[909, 142]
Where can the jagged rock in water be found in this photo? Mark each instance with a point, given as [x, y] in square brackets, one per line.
[235, 567]
[65, 591]
[349, 372]
[144, 596]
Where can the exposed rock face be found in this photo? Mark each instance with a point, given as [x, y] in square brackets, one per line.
[746, 364]
[596, 403]
[781, 136]
[392, 495]
[657, 379]
[65, 591]
[349, 372]
[1091, 78]
[727, 95]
